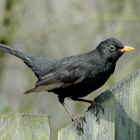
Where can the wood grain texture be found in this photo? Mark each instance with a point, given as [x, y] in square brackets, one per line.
[121, 120]
[24, 127]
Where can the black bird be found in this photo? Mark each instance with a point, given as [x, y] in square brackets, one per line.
[74, 76]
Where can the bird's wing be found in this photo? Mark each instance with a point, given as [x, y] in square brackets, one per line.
[65, 74]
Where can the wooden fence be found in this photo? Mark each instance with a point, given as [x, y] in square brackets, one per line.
[121, 120]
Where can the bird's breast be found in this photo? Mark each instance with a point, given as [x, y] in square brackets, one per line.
[99, 75]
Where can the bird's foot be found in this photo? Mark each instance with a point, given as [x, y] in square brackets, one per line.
[79, 121]
[96, 106]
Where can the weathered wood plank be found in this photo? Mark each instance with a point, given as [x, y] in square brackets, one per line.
[24, 127]
[127, 108]
[121, 120]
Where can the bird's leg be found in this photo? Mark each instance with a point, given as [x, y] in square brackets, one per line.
[93, 104]
[74, 118]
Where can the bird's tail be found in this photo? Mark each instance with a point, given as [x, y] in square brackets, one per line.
[22, 55]
[39, 65]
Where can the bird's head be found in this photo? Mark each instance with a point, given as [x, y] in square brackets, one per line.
[111, 49]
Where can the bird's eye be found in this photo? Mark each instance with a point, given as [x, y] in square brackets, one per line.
[112, 48]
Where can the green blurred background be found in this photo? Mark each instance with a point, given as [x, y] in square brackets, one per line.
[56, 29]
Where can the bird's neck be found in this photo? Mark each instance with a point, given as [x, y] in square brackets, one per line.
[101, 62]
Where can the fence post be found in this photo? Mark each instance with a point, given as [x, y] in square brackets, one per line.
[24, 127]
[121, 120]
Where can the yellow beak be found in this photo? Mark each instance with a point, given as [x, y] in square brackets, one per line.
[126, 49]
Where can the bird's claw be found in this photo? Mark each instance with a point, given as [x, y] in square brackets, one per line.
[78, 120]
[96, 106]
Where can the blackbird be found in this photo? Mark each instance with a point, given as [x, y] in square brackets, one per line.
[74, 76]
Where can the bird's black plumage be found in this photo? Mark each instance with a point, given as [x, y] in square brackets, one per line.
[75, 76]
[79, 75]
